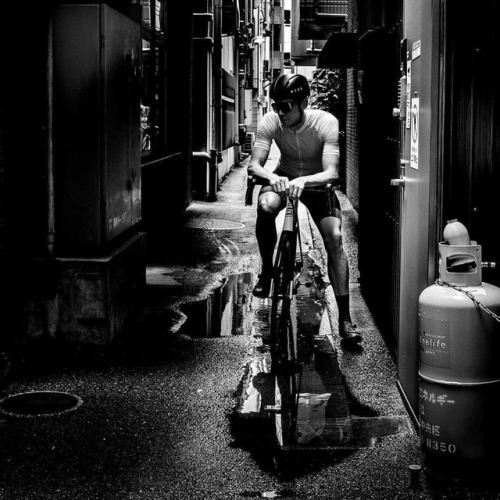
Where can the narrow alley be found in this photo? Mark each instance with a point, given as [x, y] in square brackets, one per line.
[159, 413]
[136, 363]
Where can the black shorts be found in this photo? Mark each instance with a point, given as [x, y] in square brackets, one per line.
[320, 203]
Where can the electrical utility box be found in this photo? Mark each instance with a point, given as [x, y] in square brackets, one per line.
[96, 93]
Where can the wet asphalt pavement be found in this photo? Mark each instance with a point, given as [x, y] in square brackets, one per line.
[158, 416]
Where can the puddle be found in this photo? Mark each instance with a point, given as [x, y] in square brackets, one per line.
[323, 416]
[213, 224]
[326, 422]
[224, 312]
[282, 493]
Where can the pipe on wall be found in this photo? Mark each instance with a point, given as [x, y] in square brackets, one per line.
[213, 170]
[50, 189]
[217, 76]
[50, 305]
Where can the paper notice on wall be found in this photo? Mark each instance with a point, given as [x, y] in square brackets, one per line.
[408, 94]
[414, 133]
[415, 50]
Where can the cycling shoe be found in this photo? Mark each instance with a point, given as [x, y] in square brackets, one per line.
[263, 286]
[349, 336]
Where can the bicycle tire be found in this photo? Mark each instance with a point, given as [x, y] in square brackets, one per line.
[286, 399]
[284, 342]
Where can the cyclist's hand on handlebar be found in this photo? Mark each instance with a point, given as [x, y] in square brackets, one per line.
[297, 187]
[280, 184]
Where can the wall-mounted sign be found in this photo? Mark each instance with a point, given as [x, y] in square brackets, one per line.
[414, 132]
[408, 94]
[415, 50]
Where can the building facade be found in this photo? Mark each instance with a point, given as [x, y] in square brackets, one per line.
[133, 110]
[421, 142]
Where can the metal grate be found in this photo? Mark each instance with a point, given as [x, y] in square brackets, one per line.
[39, 403]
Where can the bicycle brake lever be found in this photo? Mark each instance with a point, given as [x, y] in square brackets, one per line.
[249, 192]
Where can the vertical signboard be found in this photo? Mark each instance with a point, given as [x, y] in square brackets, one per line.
[408, 94]
[414, 132]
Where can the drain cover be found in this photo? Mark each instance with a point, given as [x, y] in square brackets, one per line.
[39, 403]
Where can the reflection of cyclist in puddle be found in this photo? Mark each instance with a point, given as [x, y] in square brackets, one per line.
[308, 143]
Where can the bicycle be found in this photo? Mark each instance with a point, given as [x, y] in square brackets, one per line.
[285, 363]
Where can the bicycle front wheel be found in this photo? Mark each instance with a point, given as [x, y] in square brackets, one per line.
[283, 338]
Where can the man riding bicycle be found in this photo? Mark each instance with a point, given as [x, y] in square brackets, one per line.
[308, 143]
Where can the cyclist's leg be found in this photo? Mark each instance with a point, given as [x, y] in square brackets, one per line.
[327, 216]
[269, 206]
[338, 266]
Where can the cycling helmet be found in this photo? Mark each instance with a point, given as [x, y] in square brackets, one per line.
[293, 87]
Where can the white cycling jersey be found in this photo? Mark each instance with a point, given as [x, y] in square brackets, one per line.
[301, 150]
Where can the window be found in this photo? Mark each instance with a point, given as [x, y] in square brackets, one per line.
[153, 91]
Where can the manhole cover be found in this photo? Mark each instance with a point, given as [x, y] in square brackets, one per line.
[215, 224]
[39, 403]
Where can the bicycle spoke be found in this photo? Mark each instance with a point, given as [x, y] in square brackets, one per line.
[278, 423]
[286, 393]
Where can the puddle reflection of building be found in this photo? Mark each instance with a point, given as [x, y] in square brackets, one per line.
[224, 312]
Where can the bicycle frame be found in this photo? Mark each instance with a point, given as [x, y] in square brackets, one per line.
[286, 271]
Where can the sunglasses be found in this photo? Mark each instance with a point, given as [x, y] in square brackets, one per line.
[284, 107]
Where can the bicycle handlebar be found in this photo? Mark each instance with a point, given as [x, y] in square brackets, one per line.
[253, 181]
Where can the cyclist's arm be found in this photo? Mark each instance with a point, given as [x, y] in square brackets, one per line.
[260, 153]
[256, 169]
[256, 164]
[329, 175]
[328, 131]
[260, 150]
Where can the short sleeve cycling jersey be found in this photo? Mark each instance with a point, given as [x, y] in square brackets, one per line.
[302, 150]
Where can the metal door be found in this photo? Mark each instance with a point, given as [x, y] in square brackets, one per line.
[96, 124]
[379, 162]
[120, 73]
[471, 130]
[417, 185]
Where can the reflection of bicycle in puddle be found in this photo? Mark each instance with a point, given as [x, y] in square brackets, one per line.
[301, 401]
[295, 412]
